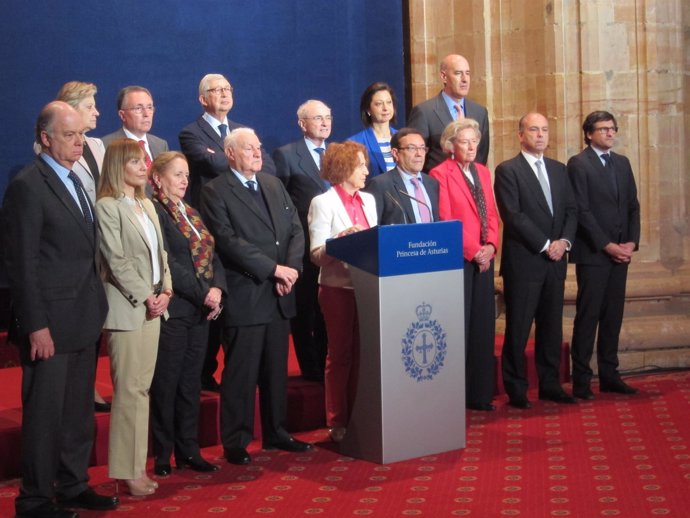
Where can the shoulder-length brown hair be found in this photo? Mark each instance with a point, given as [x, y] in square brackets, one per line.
[340, 160]
[112, 181]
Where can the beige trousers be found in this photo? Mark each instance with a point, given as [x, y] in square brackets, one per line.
[132, 362]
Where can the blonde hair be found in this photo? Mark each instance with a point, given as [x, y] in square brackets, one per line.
[453, 130]
[112, 181]
[75, 92]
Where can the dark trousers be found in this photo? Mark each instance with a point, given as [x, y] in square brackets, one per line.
[210, 364]
[254, 355]
[308, 327]
[600, 304]
[480, 334]
[540, 302]
[176, 387]
[57, 427]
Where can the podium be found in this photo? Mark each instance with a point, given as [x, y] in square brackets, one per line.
[410, 399]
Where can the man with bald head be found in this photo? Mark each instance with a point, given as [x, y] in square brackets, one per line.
[539, 216]
[432, 116]
[298, 166]
[260, 242]
[59, 306]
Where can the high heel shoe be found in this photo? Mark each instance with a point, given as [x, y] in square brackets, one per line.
[137, 487]
[149, 481]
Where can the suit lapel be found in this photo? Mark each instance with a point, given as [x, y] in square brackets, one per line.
[442, 112]
[457, 177]
[307, 164]
[533, 183]
[245, 197]
[210, 133]
[404, 200]
[600, 173]
[132, 217]
[56, 185]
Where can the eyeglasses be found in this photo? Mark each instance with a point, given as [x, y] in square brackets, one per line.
[414, 149]
[320, 118]
[605, 129]
[220, 90]
[140, 108]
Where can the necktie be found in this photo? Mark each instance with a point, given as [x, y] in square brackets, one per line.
[424, 213]
[251, 185]
[147, 158]
[223, 128]
[475, 187]
[541, 175]
[458, 111]
[610, 173]
[320, 151]
[81, 196]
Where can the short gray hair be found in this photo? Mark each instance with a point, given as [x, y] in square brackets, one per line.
[232, 138]
[203, 84]
[452, 131]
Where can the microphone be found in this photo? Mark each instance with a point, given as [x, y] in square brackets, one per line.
[397, 204]
[421, 202]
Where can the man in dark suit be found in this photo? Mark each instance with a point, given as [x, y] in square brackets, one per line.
[539, 222]
[432, 116]
[202, 140]
[405, 194]
[607, 235]
[135, 109]
[297, 165]
[59, 307]
[259, 241]
[202, 144]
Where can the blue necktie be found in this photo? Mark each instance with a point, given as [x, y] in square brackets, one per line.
[85, 209]
[223, 128]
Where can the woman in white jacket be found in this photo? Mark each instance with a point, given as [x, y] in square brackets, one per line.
[341, 210]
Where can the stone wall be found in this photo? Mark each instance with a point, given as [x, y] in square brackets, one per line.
[566, 58]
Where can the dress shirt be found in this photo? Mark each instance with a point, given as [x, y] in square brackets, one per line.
[312, 149]
[150, 232]
[183, 211]
[134, 137]
[63, 174]
[450, 102]
[532, 161]
[600, 152]
[214, 123]
[353, 206]
[245, 180]
[410, 190]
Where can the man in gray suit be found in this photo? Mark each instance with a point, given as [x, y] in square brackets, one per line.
[59, 306]
[135, 109]
[405, 194]
[431, 117]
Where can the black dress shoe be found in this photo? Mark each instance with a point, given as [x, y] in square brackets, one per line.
[557, 396]
[196, 464]
[48, 510]
[290, 444]
[520, 402]
[89, 499]
[237, 456]
[618, 386]
[484, 407]
[162, 470]
[101, 407]
[583, 393]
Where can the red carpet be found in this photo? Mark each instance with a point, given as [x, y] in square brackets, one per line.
[625, 456]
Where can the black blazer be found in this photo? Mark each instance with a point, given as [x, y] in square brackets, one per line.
[603, 217]
[190, 290]
[390, 184]
[203, 148]
[432, 116]
[250, 246]
[51, 262]
[527, 220]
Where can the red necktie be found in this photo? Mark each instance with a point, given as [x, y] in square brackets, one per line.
[147, 158]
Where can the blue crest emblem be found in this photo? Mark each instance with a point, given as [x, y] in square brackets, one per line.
[424, 346]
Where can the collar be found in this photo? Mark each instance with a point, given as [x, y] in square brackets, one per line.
[132, 136]
[243, 179]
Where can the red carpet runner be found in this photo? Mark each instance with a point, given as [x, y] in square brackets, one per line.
[625, 456]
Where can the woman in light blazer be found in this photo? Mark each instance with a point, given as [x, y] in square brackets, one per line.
[341, 210]
[138, 288]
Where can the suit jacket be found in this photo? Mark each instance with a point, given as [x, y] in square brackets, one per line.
[128, 271]
[390, 185]
[157, 145]
[50, 259]
[432, 116]
[327, 218]
[603, 217]
[250, 246]
[527, 220]
[297, 170]
[456, 202]
[190, 290]
[203, 148]
[366, 137]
